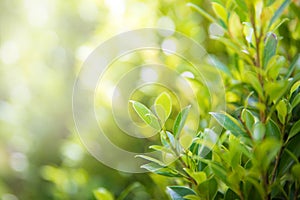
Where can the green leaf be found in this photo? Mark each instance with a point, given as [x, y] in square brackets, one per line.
[274, 66]
[259, 131]
[229, 123]
[248, 118]
[296, 172]
[269, 2]
[221, 66]
[151, 159]
[180, 120]
[202, 12]
[199, 177]
[164, 171]
[282, 110]
[279, 12]
[272, 130]
[163, 106]
[270, 48]
[231, 195]
[179, 192]
[242, 4]
[103, 194]
[192, 197]
[146, 115]
[251, 78]
[296, 101]
[208, 189]
[292, 66]
[220, 11]
[161, 149]
[294, 130]
[294, 87]
[275, 90]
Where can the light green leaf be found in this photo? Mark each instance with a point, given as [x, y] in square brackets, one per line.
[202, 12]
[220, 11]
[208, 189]
[179, 192]
[180, 121]
[221, 66]
[294, 130]
[275, 90]
[103, 194]
[161, 149]
[251, 78]
[296, 172]
[192, 197]
[270, 48]
[294, 87]
[272, 130]
[229, 123]
[146, 115]
[164, 171]
[199, 177]
[282, 110]
[242, 4]
[259, 131]
[163, 106]
[248, 118]
[151, 159]
[274, 66]
[231, 195]
[278, 12]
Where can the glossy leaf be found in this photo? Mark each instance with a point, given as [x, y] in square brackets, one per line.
[259, 131]
[229, 123]
[248, 118]
[199, 177]
[163, 106]
[146, 115]
[179, 192]
[180, 120]
[272, 130]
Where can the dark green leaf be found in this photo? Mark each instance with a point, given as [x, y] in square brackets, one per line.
[208, 189]
[179, 192]
[296, 172]
[180, 120]
[296, 101]
[272, 130]
[294, 130]
[231, 195]
[270, 48]
[229, 123]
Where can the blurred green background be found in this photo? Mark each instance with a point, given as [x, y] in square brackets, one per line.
[43, 44]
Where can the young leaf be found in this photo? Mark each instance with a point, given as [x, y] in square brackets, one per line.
[274, 66]
[103, 194]
[270, 48]
[294, 87]
[294, 130]
[248, 118]
[180, 120]
[252, 79]
[282, 110]
[152, 160]
[146, 115]
[220, 11]
[163, 106]
[199, 177]
[229, 123]
[179, 192]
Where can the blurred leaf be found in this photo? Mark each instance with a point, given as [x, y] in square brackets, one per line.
[192, 197]
[242, 4]
[270, 48]
[268, 2]
[294, 87]
[146, 115]
[171, 139]
[179, 192]
[186, 140]
[294, 130]
[278, 12]
[272, 130]
[180, 120]
[251, 78]
[128, 189]
[248, 118]
[296, 172]
[103, 194]
[292, 66]
[259, 131]
[220, 11]
[229, 123]
[161, 148]
[163, 106]
[220, 65]
[202, 12]
[231, 195]
[234, 25]
[158, 169]
[296, 101]
[199, 177]
[282, 110]
[274, 66]
[208, 189]
[275, 90]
